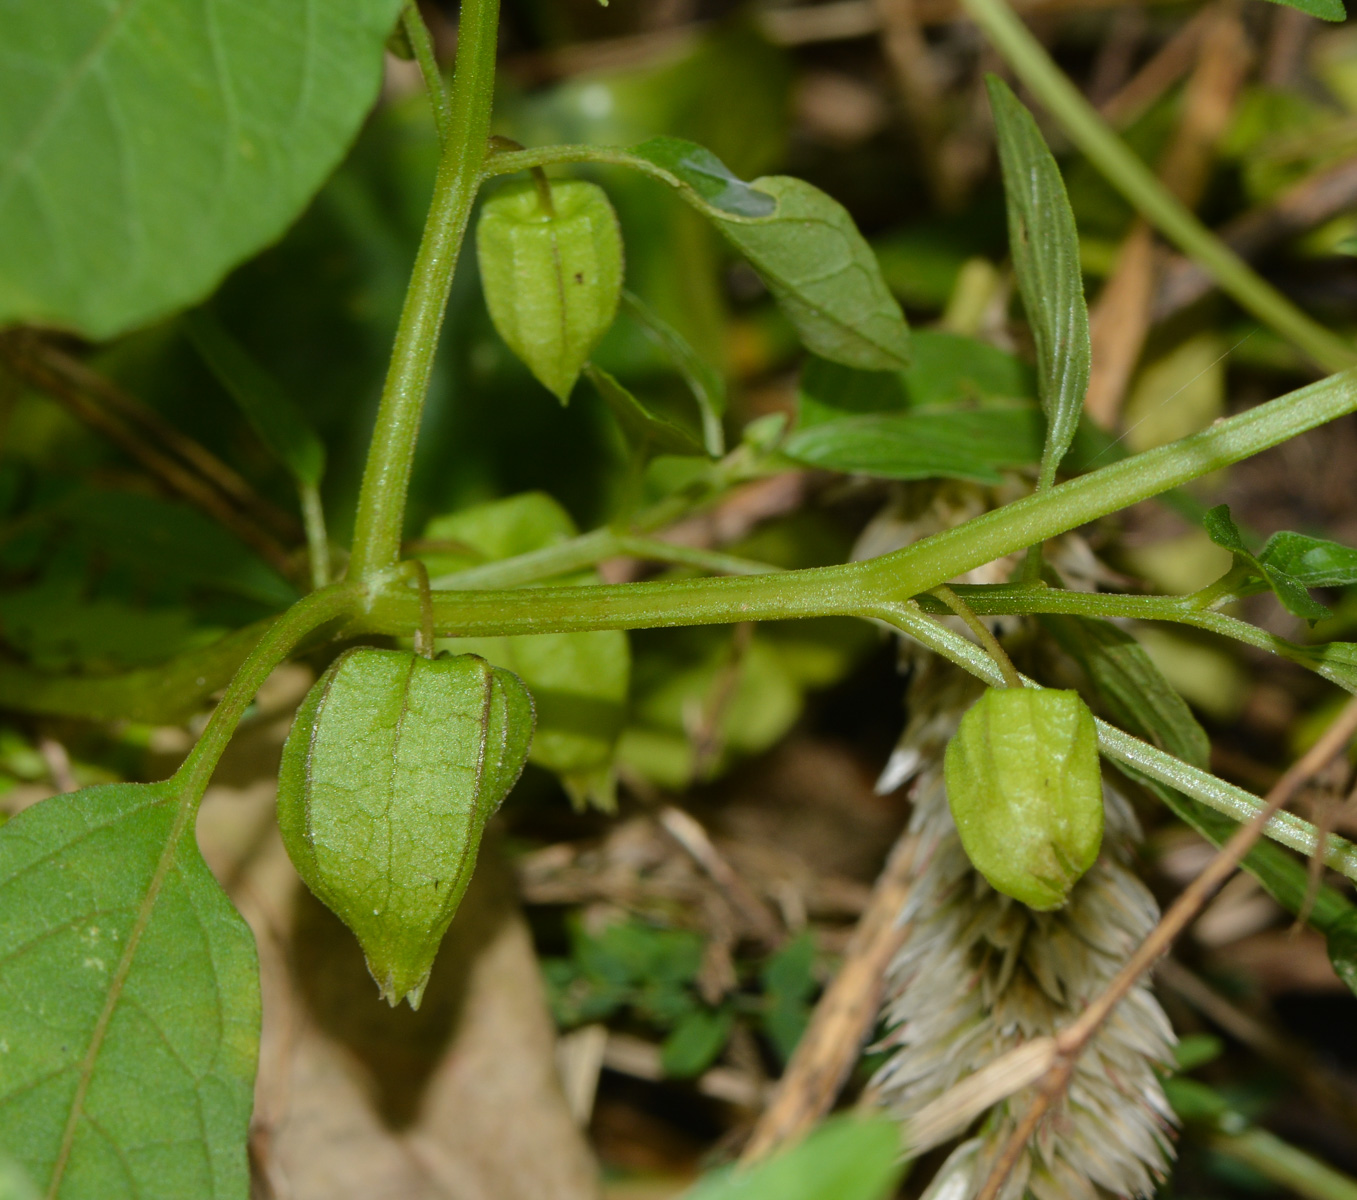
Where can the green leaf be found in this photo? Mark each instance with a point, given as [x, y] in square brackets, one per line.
[806, 247]
[1342, 941]
[948, 369]
[149, 147]
[698, 168]
[1135, 692]
[647, 432]
[129, 1002]
[1044, 244]
[695, 1042]
[960, 444]
[1325, 10]
[823, 275]
[704, 381]
[271, 412]
[788, 983]
[846, 1158]
[1288, 589]
[1311, 562]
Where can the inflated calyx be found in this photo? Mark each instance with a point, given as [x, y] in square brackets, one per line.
[551, 268]
[1025, 791]
[393, 766]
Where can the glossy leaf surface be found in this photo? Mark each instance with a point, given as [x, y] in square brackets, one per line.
[129, 1003]
[150, 146]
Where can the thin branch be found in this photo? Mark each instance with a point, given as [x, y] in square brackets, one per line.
[983, 634]
[422, 44]
[1071, 1041]
[843, 1018]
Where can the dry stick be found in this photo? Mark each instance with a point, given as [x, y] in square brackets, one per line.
[1161, 71]
[1071, 1041]
[690, 835]
[916, 79]
[843, 1018]
[171, 473]
[105, 392]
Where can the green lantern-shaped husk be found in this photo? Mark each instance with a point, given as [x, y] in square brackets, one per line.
[1025, 791]
[552, 276]
[394, 764]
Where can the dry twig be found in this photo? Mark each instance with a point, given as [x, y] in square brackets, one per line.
[844, 1017]
[1071, 1041]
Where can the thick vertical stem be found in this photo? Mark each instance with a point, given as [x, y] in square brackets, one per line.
[386, 478]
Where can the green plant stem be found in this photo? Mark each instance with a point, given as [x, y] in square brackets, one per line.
[309, 614]
[1129, 175]
[422, 44]
[1284, 1164]
[317, 539]
[1010, 600]
[854, 588]
[983, 634]
[589, 549]
[1116, 744]
[386, 476]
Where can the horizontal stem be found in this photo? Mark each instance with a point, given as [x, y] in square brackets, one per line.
[1008, 600]
[1233, 802]
[854, 587]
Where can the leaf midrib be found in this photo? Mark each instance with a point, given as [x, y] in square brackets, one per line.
[19, 162]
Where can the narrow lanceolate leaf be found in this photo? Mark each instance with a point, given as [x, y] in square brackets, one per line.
[271, 412]
[648, 432]
[703, 380]
[1325, 10]
[148, 146]
[1045, 248]
[129, 1003]
[805, 246]
[1270, 571]
[1133, 689]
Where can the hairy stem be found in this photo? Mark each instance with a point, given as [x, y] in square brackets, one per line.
[855, 588]
[1129, 175]
[386, 477]
[420, 42]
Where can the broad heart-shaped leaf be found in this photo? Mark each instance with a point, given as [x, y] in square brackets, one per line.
[647, 432]
[129, 1003]
[272, 413]
[1045, 248]
[148, 145]
[819, 268]
[960, 444]
[1288, 589]
[847, 1158]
